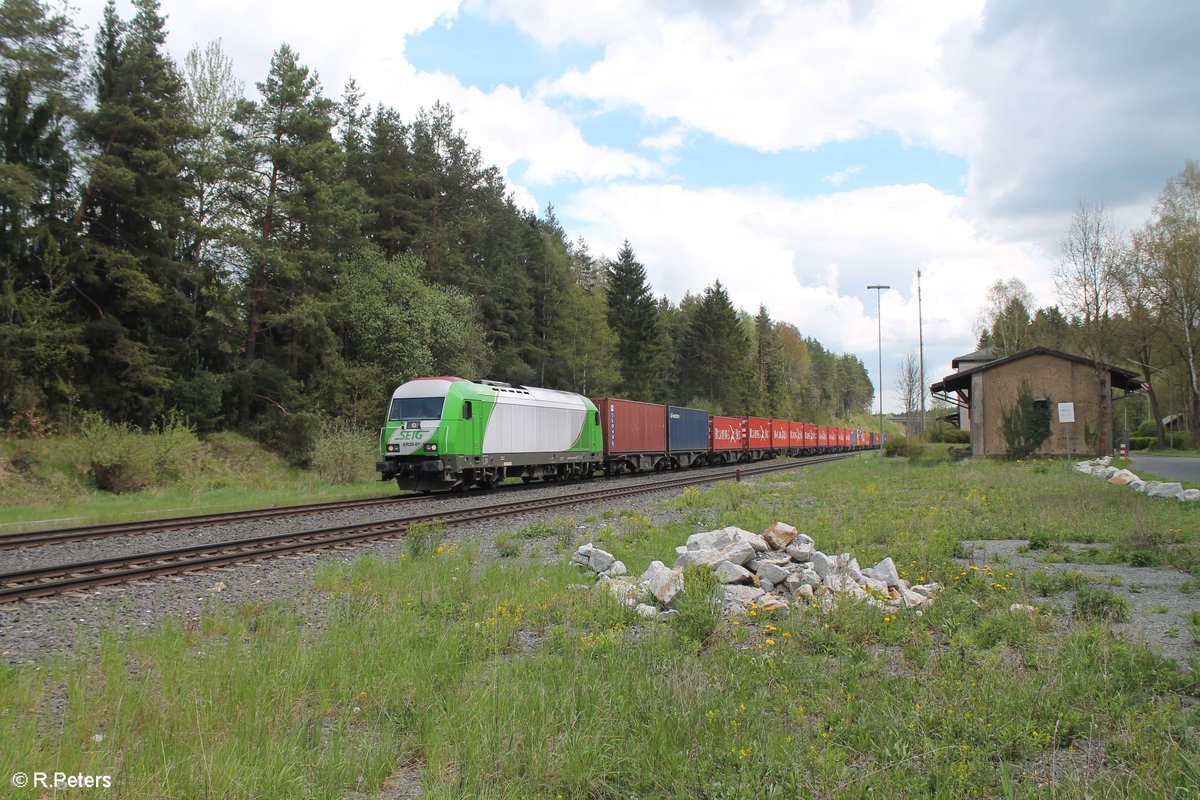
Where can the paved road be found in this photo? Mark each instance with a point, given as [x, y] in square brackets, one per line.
[1180, 469]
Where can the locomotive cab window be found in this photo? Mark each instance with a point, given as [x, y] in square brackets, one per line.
[415, 408]
[466, 409]
[597, 415]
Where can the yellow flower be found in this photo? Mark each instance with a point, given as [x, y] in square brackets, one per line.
[771, 642]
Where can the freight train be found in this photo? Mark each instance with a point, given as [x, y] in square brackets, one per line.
[447, 433]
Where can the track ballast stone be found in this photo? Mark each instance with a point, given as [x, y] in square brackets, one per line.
[761, 572]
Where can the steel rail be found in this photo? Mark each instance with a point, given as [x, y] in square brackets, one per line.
[40, 582]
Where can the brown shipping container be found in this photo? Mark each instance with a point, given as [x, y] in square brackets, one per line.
[632, 427]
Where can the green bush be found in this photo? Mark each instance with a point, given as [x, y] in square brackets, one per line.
[121, 458]
[1141, 442]
[699, 604]
[1147, 429]
[343, 453]
[290, 435]
[948, 435]
[1180, 440]
[896, 446]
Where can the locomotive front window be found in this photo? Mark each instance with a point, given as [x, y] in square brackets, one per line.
[415, 408]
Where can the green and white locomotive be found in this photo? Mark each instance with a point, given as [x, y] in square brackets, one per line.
[450, 433]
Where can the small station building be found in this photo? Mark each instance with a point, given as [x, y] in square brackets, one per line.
[985, 388]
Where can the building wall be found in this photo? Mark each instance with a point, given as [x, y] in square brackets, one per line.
[994, 391]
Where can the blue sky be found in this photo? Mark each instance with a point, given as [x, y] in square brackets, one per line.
[796, 151]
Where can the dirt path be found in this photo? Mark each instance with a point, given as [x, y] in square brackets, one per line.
[1149, 590]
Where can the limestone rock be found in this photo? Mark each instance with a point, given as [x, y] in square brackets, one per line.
[617, 568]
[737, 553]
[623, 589]
[1173, 490]
[753, 539]
[805, 592]
[1021, 608]
[800, 553]
[728, 572]
[583, 555]
[821, 564]
[1190, 495]
[779, 535]
[711, 540]
[600, 560]
[743, 594]
[929, 590]
[770, 572]
[810, 578]
[886, 571]
[772, 603]
[645, 611]
[666, 586]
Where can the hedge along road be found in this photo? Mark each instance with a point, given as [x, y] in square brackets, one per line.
[1181, 469]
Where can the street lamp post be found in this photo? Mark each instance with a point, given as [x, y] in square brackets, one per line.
[921, 339]
[879, 341]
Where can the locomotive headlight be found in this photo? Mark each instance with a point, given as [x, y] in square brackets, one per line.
[393, 448]
[431, 448]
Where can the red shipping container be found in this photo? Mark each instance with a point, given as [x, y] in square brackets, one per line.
[727, 433]
[795, 434]
[779, 434]
[810, 434]
[822, 436]
[632, 427]
[758, 433]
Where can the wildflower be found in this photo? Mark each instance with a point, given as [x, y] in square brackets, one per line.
[770, 642]
[741, 707]
[786, 635]
[711, 713]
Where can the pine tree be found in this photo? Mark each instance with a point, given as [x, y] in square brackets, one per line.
[715, 353]
[391, 219]
[134, 288]
[39, 350]
[300, 218]
[633, 317]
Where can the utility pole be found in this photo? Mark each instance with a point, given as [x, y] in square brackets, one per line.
[921, 339]
[879, 341]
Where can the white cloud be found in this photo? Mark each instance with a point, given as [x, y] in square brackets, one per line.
[778, 75]
[1081, 101]
[843, 175]
[810, 261]
[671, 139]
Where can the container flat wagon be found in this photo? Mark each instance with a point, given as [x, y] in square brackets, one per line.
[687, 436]
[727, 439]
[779, 437]
[635, 435]
[758, 438]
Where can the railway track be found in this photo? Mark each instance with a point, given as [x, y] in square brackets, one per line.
[45, 581]
[106, 530]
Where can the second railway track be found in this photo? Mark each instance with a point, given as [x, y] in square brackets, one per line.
[45, 581]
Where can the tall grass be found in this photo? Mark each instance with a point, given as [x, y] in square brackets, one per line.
[494, 678]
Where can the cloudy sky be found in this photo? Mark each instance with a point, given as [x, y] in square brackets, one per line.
[798, 150]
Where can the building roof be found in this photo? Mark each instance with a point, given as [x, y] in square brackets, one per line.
[984, 354]
[1121, 379]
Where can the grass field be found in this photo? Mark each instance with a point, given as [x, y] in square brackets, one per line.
[481, 677]
[46, 483]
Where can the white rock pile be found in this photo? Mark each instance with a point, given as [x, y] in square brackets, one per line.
[1102, 467]
[775, 570]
